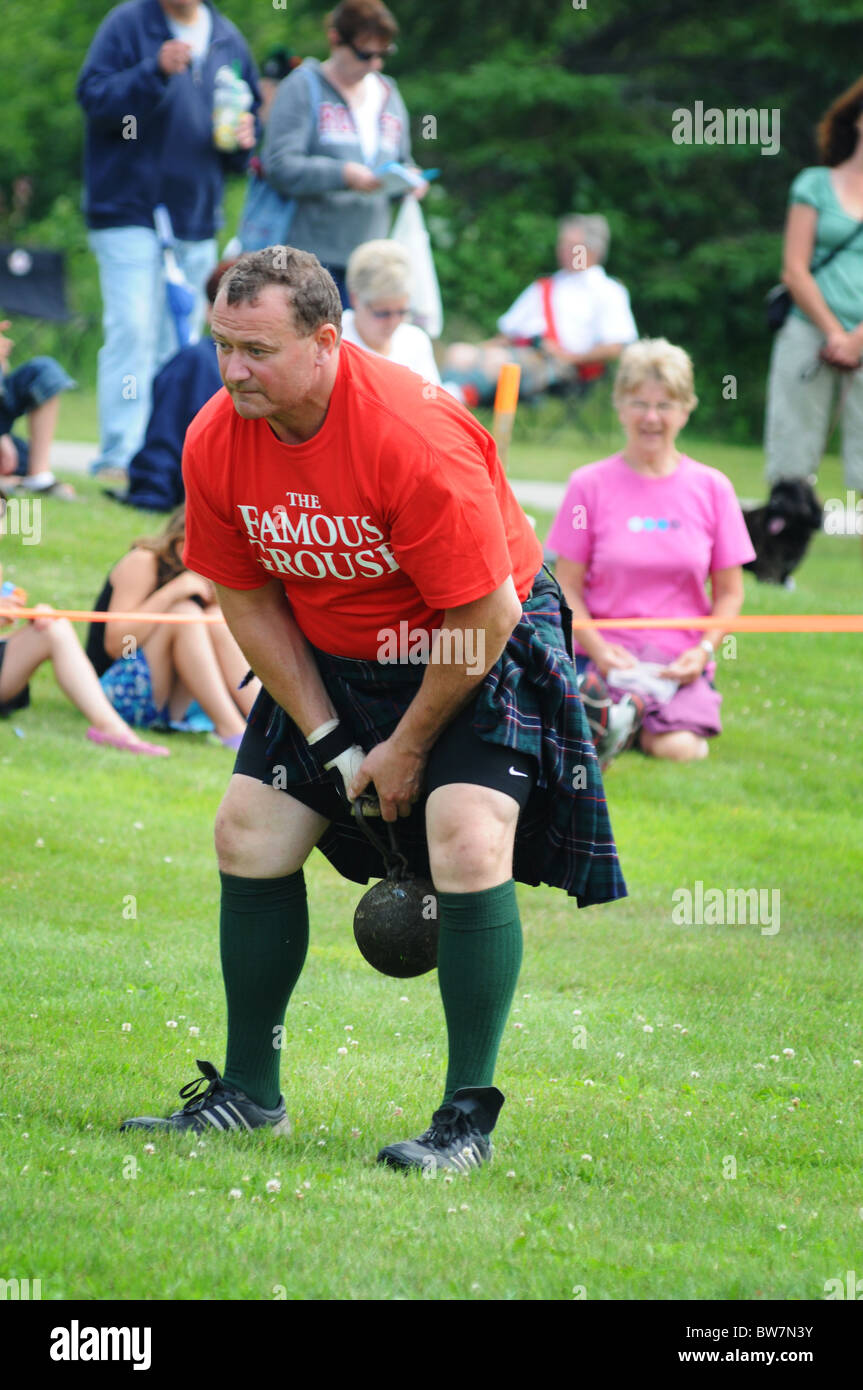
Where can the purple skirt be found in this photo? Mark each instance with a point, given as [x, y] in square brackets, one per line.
[693, 707]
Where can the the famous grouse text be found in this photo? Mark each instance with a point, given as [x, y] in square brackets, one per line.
[300, 540]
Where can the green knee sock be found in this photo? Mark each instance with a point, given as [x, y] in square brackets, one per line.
[264, 936]
[479, 956]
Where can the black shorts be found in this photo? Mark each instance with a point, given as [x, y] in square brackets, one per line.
[19, 701]
[459, 755]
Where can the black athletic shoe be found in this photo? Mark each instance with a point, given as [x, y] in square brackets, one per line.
[456, 1139]
[218, 1107]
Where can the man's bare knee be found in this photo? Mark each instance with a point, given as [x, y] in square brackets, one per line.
[470, 837]
[263, 833]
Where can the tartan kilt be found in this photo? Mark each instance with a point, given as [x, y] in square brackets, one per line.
[527, 701]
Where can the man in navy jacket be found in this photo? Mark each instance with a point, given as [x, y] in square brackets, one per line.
[147, 88]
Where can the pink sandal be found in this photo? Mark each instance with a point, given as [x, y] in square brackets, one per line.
[153, 750]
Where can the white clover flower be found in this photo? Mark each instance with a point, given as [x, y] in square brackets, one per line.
[171, 1023]
[511, 1173]
[586, 1158]
[273, 1185]
[342, 1051]
[695, 1073]
[149, 1148]
[235, 1192]
[194, 1032]
[788, 1052]
[125, 1027]
[648, 1028]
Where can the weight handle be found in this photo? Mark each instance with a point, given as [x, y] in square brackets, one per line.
[395, 863]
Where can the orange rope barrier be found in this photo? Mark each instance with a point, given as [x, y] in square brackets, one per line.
[754, 622]
[80, 615]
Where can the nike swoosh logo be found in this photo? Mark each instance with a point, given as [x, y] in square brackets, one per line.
[514, 773]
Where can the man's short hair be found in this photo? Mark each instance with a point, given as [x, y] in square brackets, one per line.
[312, 290]
[379, 270]
[594, 229]
[354, 17]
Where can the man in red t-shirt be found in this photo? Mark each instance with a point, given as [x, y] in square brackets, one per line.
[373, 565]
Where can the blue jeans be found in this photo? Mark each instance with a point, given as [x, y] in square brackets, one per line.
[25, 389]
[138, 329]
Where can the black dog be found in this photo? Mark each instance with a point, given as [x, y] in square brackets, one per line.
[781, 530]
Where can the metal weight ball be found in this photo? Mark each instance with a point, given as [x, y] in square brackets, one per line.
[395, 922]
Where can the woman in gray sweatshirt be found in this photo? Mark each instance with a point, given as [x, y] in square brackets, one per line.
[331, 125]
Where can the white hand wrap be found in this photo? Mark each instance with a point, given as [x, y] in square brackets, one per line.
[347, 760]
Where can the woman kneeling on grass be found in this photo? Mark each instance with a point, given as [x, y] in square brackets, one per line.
[53, 639]
[172, 667]
[637, 536]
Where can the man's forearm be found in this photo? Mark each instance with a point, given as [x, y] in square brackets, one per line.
[449, 684]
[268, 636]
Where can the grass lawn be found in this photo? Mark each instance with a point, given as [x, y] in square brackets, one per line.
[683, 1114]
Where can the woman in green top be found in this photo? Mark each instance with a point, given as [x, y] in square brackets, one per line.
[818, 350]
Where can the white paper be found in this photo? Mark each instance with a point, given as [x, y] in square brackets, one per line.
[644, 679]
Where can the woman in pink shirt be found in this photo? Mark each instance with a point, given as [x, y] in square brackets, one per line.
[638, 535]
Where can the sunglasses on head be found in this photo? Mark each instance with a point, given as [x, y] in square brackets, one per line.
[366, 55]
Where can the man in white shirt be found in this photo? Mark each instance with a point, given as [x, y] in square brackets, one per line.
[561, 328]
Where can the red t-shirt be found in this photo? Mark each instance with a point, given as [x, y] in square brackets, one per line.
[397, 509]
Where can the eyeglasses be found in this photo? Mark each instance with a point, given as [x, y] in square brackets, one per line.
[366, 55]
[642, 407]
[388, 313]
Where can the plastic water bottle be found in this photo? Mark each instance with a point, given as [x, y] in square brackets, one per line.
[231, 98]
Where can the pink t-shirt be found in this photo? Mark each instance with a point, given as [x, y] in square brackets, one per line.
[649, 545]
